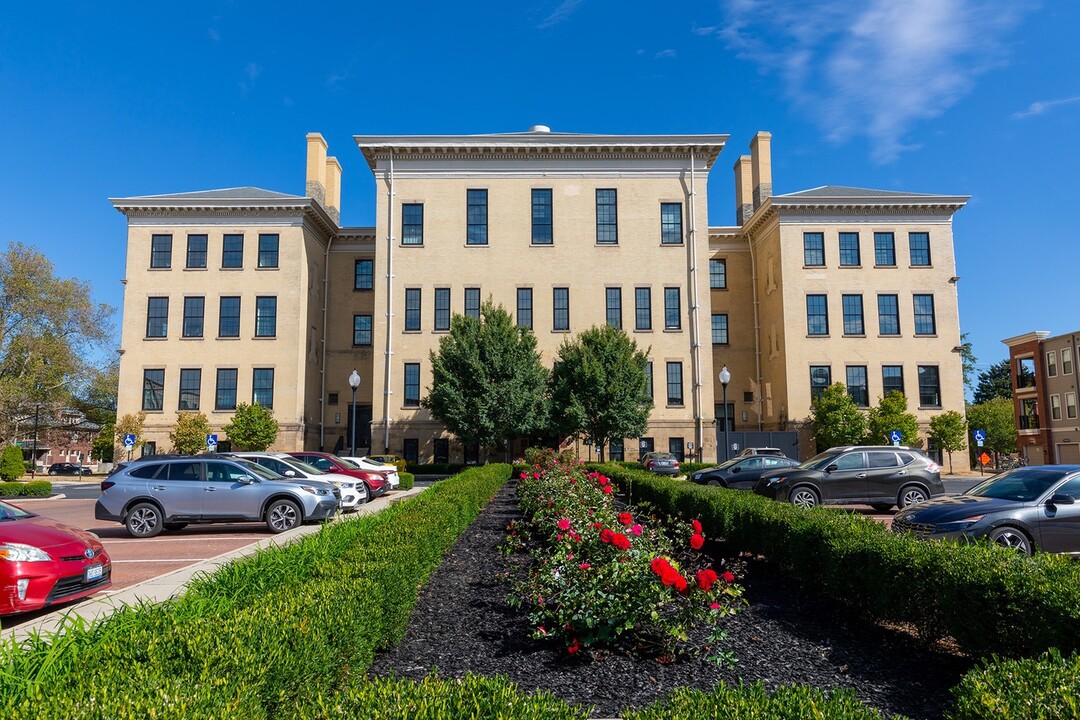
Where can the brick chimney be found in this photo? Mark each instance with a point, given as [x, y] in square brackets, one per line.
[316, 168]
[333, 189]
[744, 200]
[761, 163]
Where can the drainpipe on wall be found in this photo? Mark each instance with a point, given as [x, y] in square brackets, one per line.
[389, 300]
[322, 370]
[695, 339]
[757, 338]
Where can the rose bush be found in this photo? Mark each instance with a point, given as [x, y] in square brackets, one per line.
[601, 574]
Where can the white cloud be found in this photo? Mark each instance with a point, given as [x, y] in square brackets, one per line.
[669, 53]
[565, 10]
[1041, 107]
[872, 67]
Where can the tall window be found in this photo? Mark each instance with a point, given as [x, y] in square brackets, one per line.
[649, 381]
[412, 385]
[849, 249]
[1070, 405]
[857, 386]
[853, 314]
[642, 308]
[361, 330]
[225, 394]
[888, 310]
[820, 378]
[1066, 361]
[232, 251]
[412, 309]
[364, 275]
[1051, 363]
[674, 383]
[719, 329]
[561, 308]
[813, 249]
[717, 274]
[190, 388]
[884, 248]
[268, 250]
[892, 379]
[671, 223]
[153, 389]
[607, 217]
[672, 309]
[442, 308]
[613, 306]
[472, 302]
[262, 387]
[920, 248]
[924, 315]
[157, 317]
[525, 308]
[541, 216]
[675, 447]
[929, 386]
[229, 317]
[265, 316]
[817, 315]
[412, 224]
[196, 251]
[161, 251]
[476, 231]
[193, 316]
[1055, 407]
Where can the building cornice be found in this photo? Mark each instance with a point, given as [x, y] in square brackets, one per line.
[150, 207]
[825, 207]
[1034, 336]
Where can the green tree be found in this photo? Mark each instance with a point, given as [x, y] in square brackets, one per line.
[891, 414]
[836, 419]
[130, 424]
[488, 383]
[104, 446]
[12, 466]
[996, 417]
[948, 430]
[995, 382]
[189, 434]
[598, 387]
[95, 398]
[252, 427]
[967, 361]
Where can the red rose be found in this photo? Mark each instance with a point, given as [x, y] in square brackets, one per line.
[602, 480]
[659, 565]
[620, 541]
[706, 579]
[670, 577]
[680, 583]
[626, 519]
[728, 578]
[696, 525]
[697, 540]
[574, 647]
[607, 489]
[606, 535]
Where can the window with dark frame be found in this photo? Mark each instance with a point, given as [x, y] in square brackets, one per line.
[813, 249]
[820, 378]
[719, 329]
[412, 224]
[671, 232]
[265, 316]
[929, 386]
[229, 317]
[674, 383]
[161, 251]
[884, 249]
[560, 300]
[262, 387]
[925, 323]
[541, 216]
[607, 217]
[613, 306]
[411, 398]
[672, 309]
[232, 251]
[268, 250]
[888, 307]
[190, 389]
[849, 249]
[525, 308]
[643, 308]
[892, 379]
[361, 330]
[472, 303]
[194, 308]
[412, 309]
[676, 447]
[853, 314]
[364, 277]
[717, 274]
[442, 309]
[649, 382]
[225, 393]
[196, 252]
[476, 211]
[857, 385]
[919, 244]
[157, 317]
[153, 389]
[817, 315]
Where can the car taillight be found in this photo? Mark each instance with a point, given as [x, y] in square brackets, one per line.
[106, 484]
[676, 464]
[933, 467]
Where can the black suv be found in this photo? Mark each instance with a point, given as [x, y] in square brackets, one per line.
[877, 475]
[68, 469]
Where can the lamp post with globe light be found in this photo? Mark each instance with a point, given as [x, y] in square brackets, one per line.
[725, 378]
[354, 382]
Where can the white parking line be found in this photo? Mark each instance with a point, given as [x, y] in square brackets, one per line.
[158, 541]
[159, 560]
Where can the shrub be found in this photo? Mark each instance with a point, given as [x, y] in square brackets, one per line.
[35, 488]
[407, 480]
[754, 701]
[12, 465]
[1041, 688]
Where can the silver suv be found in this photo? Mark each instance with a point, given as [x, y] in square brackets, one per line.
[151, 495]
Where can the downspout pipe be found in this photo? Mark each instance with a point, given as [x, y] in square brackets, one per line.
[322, 370]
[757, 336]
[695, 321]
[389, 301]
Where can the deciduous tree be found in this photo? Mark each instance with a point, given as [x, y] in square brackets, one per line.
[836, 418]
[130, 424]
[252, 427]
[995, 416]
[891, 414]
[949, 430]
[12, 466]
[189, 434]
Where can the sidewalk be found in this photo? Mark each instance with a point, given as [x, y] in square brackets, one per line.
[172, 584]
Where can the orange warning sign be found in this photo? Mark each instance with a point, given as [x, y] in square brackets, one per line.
[984, 459]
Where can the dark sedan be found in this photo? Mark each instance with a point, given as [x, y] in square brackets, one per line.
[741, 473]
[68, 469]
[1027, 509]
[663, 463]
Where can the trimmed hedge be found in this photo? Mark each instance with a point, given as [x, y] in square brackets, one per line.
[1042, 688]
[438, 468]
[754, 702]
[407, 481]
[33, 488]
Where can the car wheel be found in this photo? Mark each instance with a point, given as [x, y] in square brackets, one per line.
[175, 525]
[1012, 538]
[910, 495]
[53, 472]
[804, 497]
[282, 515]
[144, 520]
[716, 483]
[881, 507]
[364, 492]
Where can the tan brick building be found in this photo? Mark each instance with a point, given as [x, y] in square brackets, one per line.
[245, 294]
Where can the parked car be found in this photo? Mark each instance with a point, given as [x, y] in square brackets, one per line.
[43, 562]
[354, 493]
[389, 472]
[327, 462]
[387, 459]
[877, 475]
[663, 463]
[65, 468]
[741, 473]
[746, 452]
[157, 494]
[1027, 509]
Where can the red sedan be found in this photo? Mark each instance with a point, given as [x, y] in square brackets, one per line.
[43, 561]
[376, 482]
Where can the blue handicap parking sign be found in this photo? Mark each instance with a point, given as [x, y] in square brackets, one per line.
[211, 440]
[980, 436]
[895, 437]
[129, 441]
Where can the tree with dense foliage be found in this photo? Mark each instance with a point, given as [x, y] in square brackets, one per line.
[104, 446]
[189, 434]
[488, 382]
[598, 387]
[252, 427]
[996, 417]
[130, 424]
[48, 326]
[948, 431]
[994, 382]
[836, 419]
[95, 398]
[891, 414]
[12, 466]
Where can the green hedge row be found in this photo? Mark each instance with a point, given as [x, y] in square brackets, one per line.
[437, 468]
[33, 488]
[260, 635]
[408, 481]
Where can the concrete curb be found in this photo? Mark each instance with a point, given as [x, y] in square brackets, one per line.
[172, 584]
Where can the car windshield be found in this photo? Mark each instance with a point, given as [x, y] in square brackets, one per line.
[258, 470]
[10, 512]
[1022, 484]
[819, 461]
[347, 463]
[302, 466]
[662, 456]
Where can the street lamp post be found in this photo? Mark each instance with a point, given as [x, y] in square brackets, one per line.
[725, 378]
[354, 382]
[33, 451]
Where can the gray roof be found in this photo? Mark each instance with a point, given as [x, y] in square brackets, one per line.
[839, 191]
[237, 193]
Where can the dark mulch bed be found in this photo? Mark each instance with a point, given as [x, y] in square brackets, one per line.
[462, 624]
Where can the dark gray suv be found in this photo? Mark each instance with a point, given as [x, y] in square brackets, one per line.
[152, 495]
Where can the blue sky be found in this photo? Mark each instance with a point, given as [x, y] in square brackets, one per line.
[969, 97]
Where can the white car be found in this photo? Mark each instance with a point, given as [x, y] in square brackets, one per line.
[389, 471]
[353, 493]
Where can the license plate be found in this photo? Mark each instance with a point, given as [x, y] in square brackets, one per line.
[93, 572]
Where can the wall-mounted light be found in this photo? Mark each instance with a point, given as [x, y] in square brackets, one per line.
[954, 279]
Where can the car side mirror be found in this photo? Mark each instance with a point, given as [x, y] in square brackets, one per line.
[246, 480]
[290, 473]
[1061, 499]
[736, 469]
[831, 467]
